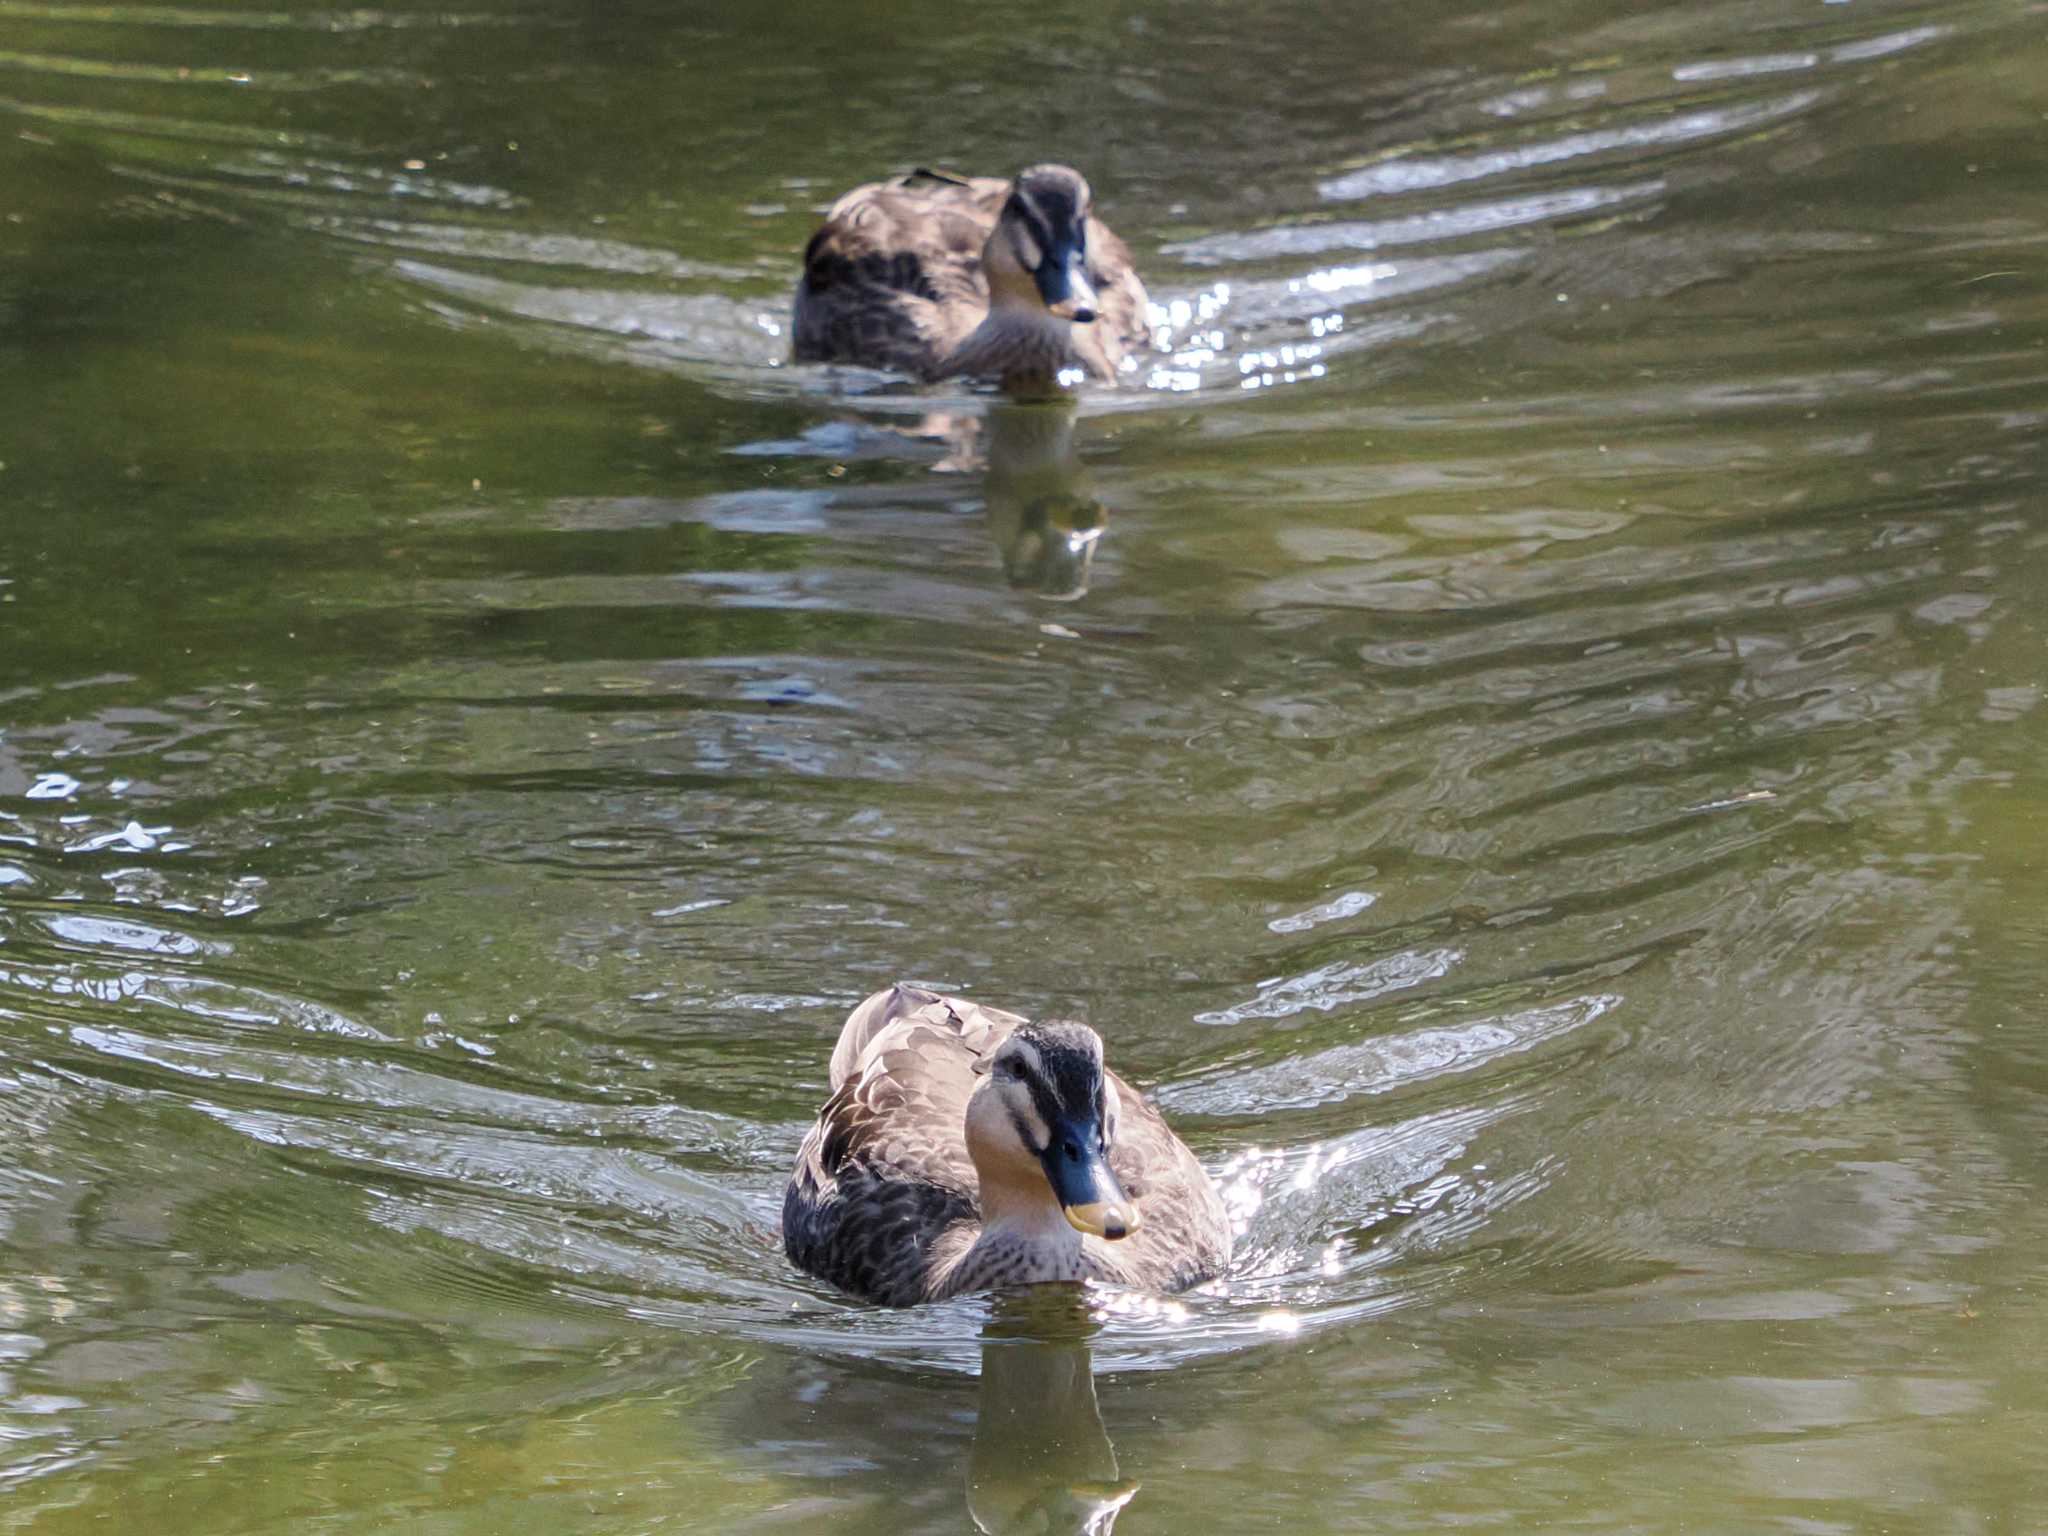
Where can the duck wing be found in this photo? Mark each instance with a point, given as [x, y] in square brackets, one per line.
[1121, 325]
[884, 1174]
[1183, 1235]
[893, 277]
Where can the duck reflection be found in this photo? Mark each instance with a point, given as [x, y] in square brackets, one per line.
[1043, 515]
[1041, 1460]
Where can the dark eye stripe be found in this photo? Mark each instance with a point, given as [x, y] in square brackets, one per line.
[1024, 1134]
[1044, 1101]
[1040, 231]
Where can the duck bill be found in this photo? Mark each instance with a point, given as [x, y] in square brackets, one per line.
[1089, 1195]
[1062, 280]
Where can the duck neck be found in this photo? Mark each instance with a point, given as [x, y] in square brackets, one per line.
[1020, 345]
[1023, 1238]
[1024, 1211]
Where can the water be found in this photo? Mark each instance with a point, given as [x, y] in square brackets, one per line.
[1523, 731]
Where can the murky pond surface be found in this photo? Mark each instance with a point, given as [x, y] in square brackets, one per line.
[1524, 728]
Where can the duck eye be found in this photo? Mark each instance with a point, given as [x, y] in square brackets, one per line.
[1073, 1149]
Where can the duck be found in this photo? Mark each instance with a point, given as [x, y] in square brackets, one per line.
[966, 1148]
[942, 276]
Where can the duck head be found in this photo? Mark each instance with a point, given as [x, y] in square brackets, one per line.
[1037, 255]
[1042, 1123]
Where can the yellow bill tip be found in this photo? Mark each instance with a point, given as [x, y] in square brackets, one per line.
[1106, 1219]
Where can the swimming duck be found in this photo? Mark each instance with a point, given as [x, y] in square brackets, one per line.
[940, 276]
[965, 1148]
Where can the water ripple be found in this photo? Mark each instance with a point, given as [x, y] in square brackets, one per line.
[1316, 1079]
[1436, 224]
[1408, 173]
[1339, 984]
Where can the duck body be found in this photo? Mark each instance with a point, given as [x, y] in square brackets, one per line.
[964, 1148]
[939, 276]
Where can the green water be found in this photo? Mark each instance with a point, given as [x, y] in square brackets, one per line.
[1524, 730]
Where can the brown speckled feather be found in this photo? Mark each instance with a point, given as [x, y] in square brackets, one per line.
[893, 279]
[1185, 1236]
[883, 1198]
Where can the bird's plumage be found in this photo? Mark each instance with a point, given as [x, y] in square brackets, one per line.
[885, 1200]
[896, 278]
